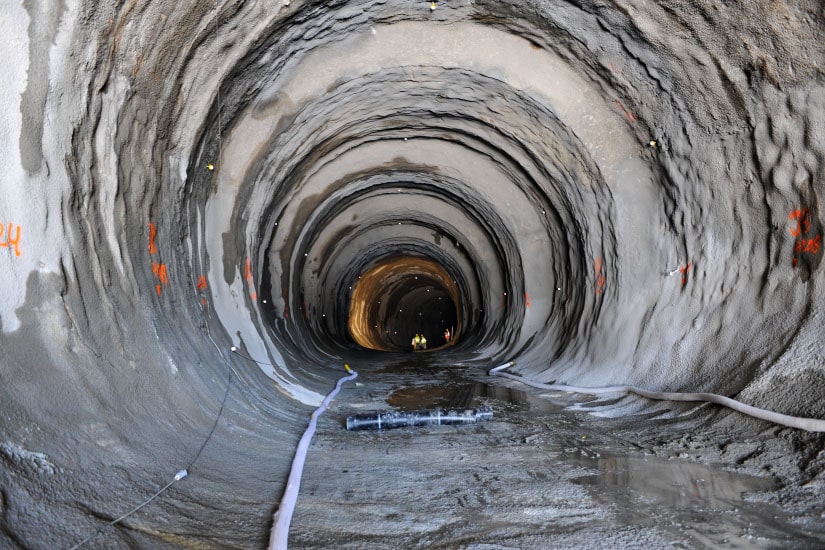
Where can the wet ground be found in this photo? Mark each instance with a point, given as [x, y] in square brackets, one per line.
[535, 476]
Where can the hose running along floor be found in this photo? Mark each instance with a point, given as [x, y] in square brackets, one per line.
[209, 207]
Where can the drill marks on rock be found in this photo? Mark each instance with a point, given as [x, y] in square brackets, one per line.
[10, 237]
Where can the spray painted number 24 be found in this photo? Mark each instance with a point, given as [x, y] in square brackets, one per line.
[9, 241]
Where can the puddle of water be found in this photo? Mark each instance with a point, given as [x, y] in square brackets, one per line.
[468, 396]
[698, 503]
[421, 397]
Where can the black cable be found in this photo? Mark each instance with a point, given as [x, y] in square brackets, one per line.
[215, 425]
[178, 476]
[234, 350]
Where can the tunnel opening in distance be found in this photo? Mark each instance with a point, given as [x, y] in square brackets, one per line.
[400, 297]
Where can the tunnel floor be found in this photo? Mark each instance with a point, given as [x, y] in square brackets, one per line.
[536, 476]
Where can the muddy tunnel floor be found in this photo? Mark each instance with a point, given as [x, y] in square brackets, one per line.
[538, 475]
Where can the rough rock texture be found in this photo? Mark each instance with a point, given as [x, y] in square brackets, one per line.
[622, 192]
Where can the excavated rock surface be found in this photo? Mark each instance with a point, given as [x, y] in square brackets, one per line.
[622, 192]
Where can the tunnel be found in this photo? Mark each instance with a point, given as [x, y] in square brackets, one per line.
[209, 207]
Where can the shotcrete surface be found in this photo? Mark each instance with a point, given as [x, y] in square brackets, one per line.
[621, 191]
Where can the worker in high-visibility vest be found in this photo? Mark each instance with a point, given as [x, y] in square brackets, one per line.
[415, 342]
[422, 342]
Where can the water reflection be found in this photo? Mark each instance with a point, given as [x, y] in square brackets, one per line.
[468, 396]
[702, 504]
[669, 482]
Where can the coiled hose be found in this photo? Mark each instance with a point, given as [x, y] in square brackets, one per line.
[807, 424]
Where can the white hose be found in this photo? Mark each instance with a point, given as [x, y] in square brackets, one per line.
[283, 517]
[807, 424]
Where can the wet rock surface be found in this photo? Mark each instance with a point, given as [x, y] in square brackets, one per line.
[610, 192]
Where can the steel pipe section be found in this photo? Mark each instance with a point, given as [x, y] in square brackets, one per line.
[610, 193]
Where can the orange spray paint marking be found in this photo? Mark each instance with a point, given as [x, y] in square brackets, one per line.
[598, 265]
[13, 243]
[153, 233]
[527, 299]
[803, 245]
[202, 282]
[630, 117]
[160, 272]
[808, 246]
[803, 221]
[157, 288]
[247, 273]
[684, 271]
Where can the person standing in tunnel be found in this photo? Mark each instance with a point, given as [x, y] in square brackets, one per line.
[422, 342]
[415, 342]
[447, 335]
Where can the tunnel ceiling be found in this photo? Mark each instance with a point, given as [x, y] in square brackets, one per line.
[605, 192]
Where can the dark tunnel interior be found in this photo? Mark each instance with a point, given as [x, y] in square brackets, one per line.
[211, 206]
[400, 298]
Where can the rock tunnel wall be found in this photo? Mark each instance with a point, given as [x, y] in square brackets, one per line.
[622, 192]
